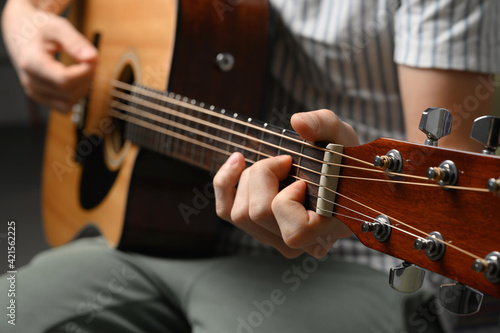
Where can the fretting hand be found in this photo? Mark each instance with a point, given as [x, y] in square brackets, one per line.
[278, 217]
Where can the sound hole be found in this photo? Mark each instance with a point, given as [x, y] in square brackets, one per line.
[105, 156]
[116, 145]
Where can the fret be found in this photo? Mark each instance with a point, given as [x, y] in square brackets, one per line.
[301, 152]
[215, 144]
[163, 146]
[239, 140]
[157, 136]
[261, 140]
[148, 135]
[291, 147]
[175, 148]
[169, 144]
[143, 132]
[271, 140]
[185, 143]
[229, 148]
[246, 142]
[313, 162]
[194, 147]
[206, 140]
[283, 131]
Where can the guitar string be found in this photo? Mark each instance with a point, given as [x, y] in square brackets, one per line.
[128, 108]
[185, 104]
[218, 127]
[181, 115]
[361, 220]
[154, 117]
[124, 107]
[176, 101]
[192, 141]
[445, 242]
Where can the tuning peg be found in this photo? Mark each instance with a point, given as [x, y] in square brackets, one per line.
[406, 277]
[435, 123]
[380, 227]
[486, 129]
[460, 299]
[490, 266]
[433, 245]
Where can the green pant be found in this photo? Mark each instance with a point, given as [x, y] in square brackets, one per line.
[88, 287]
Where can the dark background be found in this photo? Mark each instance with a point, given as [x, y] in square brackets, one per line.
[21, 148]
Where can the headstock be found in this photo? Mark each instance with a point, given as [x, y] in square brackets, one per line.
[435, 208]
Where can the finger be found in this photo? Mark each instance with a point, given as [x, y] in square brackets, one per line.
[225, 182]
[52, 102]
[71, 40]
[322, 247]
[65, 78]
[301, 228]
[323, 125]
[265, 178]
[44, 91]
[39, 60]
[239, 211]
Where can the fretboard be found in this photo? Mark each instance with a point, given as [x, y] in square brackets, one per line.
[205, 136]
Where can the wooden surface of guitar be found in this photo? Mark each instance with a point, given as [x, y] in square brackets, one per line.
[145, 38]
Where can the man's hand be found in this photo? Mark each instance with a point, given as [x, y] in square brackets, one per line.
[278, 217]
[33, 37]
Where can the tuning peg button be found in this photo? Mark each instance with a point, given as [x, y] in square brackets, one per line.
[486, 129]
[460, 299]
[435, 123]
[406, 278]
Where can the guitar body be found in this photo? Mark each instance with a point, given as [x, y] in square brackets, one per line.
[139, 200]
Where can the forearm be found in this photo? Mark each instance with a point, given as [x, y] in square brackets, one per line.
[467, 95]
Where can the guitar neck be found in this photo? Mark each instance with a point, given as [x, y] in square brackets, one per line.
[205, 136]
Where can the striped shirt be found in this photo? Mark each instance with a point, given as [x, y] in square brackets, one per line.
[342, 55]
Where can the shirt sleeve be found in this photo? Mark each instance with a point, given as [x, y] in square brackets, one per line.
[448, 34]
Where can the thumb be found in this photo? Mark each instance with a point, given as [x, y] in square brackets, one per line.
[71, 41]
[324, 125]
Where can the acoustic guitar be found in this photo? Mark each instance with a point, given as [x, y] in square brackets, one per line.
[136, 158]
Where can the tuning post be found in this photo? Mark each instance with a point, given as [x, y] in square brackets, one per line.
[433, 245]
[435, 123]
[494, 186]
[490, 266]
[380, 227]
[445, 174]
[392, 161]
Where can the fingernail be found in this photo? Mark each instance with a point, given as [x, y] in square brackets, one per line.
[87, 53]
[233, 159]
[310, 120]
